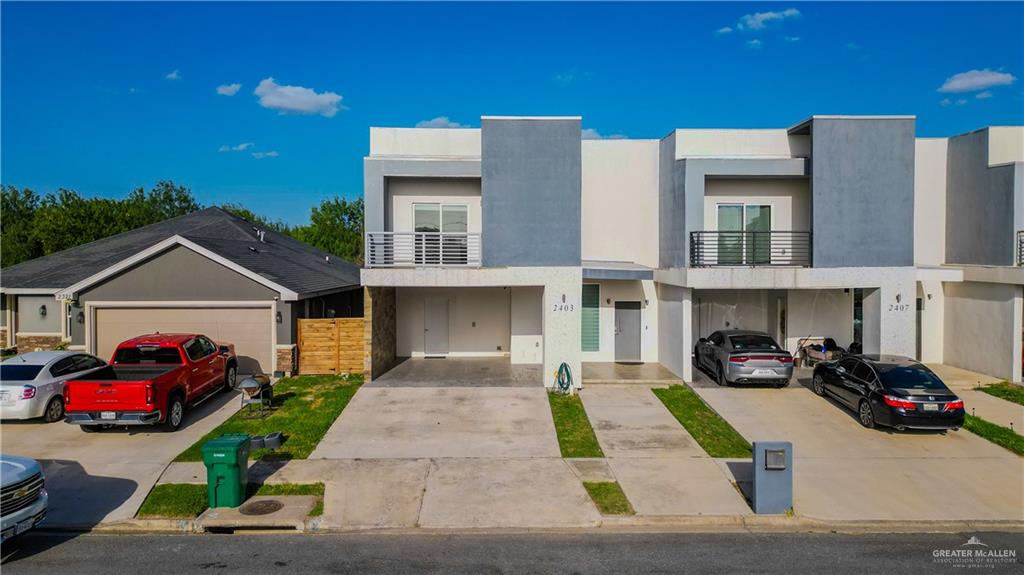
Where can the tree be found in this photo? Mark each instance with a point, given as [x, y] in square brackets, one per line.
[18, 211]
[335, 226]
[250, 216]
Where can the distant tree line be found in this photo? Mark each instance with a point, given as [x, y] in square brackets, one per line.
[32, 225]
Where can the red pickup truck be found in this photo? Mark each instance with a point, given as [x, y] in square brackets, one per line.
[151, 379]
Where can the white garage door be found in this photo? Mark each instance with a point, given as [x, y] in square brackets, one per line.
[248, 328]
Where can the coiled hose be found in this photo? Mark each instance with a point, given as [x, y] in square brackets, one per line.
[563, 379]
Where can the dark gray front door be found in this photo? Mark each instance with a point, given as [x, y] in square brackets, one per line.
[627, 331]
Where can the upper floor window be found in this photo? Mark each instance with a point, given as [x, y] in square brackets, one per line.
[445, 218]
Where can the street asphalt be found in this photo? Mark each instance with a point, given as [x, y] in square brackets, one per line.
[567, 552]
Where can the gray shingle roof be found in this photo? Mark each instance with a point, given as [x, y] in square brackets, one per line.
[281, 259]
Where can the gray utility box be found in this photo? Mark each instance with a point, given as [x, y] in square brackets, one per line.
[773, 476]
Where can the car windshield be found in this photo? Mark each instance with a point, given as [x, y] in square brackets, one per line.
[752, 342]
[19, 372]
[910, 377]
[148, 355]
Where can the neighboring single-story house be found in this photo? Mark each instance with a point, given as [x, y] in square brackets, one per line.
[208, 272]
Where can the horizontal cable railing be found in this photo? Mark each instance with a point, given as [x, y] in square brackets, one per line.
[412, 249]
[709, 249]
[1020, 247]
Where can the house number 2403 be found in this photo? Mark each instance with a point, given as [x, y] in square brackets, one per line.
[563, 307]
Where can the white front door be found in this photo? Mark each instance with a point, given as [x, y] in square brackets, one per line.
[435, 327]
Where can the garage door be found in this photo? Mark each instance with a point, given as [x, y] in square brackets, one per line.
[248, 328]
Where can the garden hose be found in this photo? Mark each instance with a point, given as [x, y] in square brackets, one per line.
[563, 379]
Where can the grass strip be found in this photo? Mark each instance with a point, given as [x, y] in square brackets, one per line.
[1001, 436]
[575, 435]
[305, 406]
[1005, 390]
[713, 433]
[187, 501]
[608, 497]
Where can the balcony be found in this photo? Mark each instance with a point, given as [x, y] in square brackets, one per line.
[754, 249]
[1020, 247]
[422, 249]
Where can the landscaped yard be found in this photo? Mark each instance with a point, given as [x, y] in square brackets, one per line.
[608, 497]
[305, 406]
[1001, 436]
[1005, 390]
[713, 433]
[575, 435]
[187, 501]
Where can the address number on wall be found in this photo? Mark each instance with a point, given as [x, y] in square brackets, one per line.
[563, 303]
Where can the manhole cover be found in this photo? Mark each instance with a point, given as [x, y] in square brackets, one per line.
[263, 507]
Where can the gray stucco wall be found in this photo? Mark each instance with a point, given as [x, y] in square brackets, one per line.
[862, 192]
[29, 320]
[531, 188]
[980, 204]
[671, 206]
[377, 170]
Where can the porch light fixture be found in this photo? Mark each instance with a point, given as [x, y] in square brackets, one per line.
[81, 317]
[277, 316]
[608, 301]
[42, 310]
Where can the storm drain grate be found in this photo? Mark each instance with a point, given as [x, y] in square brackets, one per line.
[262, 507]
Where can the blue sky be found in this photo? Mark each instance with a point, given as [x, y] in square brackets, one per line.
[103, 98]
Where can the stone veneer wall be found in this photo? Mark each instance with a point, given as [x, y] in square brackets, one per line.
[286, 359]
[378, 331]
[33, 342]
[3, 336]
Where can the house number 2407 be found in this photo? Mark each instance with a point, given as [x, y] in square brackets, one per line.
[899, 307]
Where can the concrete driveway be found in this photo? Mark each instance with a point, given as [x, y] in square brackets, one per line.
[845, 472]
[104, 477]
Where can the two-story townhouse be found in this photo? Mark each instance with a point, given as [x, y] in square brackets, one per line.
[523, 241]
[969, 236]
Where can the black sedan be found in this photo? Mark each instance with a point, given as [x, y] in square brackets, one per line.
[890, 390]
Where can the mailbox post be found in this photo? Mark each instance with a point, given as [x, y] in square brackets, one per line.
[773, 476]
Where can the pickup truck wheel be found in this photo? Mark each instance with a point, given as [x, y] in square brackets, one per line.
[230, 377]
[175, 413]
[54, 410]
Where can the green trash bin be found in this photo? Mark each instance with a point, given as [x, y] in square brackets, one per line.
[227, 469]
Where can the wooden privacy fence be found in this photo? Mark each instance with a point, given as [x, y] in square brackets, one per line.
[331, 345]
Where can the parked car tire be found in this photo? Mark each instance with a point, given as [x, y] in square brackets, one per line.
[230, 377]
[175, 413]
[865, 414]
[782, 385]
[720, 376]
[818, 385]
[54, 409]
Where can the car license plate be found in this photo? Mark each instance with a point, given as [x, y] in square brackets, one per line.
[108, 415]
[930, 406]
[5, 399]
[23, 526]
[764, 372]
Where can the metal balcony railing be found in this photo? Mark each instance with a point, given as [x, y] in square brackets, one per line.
[415, 249]
[720, 249]
[1020, 247]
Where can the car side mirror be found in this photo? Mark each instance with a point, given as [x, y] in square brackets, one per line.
[224, 349]
[702, 340]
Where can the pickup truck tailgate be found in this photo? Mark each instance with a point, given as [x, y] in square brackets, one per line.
[106, 395]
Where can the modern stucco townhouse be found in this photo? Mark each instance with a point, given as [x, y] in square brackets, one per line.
[521, 240]
[969, 222]
[206, 272]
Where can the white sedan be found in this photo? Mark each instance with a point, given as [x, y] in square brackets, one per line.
[32, 384]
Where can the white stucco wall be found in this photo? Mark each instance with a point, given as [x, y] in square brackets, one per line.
[620, 201]
[930, 201]
[819, 314]
[933, 311]
[790, 200]
[626, 290]
[983, 328]
[527, 324]
[717, 143]
[715, 310]
[675, 341]
[1005, 144]
[404, 192]
[425, 142]
[478, 320]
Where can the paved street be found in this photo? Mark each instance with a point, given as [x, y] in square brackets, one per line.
[606, 552]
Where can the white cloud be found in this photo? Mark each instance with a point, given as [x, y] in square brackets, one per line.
[723, 30]
[261, 155]
[945, 102]
[174, 75]
[974, 80]
[961, 102]
[439, 122]
[228, 89]
[239, 148]
[592, 134]
[297, 99]
[760, 20]
[755, 43]
[983, 95]
[791, 38]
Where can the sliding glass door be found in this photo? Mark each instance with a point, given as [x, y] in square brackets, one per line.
[432, 223]
[740, 240]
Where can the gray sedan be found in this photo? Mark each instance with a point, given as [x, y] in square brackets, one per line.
[739, 356]
[32, 384]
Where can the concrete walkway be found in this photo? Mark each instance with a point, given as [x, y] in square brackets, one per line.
[661, 468]
[979, 403]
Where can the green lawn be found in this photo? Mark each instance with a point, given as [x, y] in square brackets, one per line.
[1001, 436]
[305, 406]
[713, 433]
[187, 501]
[575, 436]
[1005, 390]
[608, 497]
